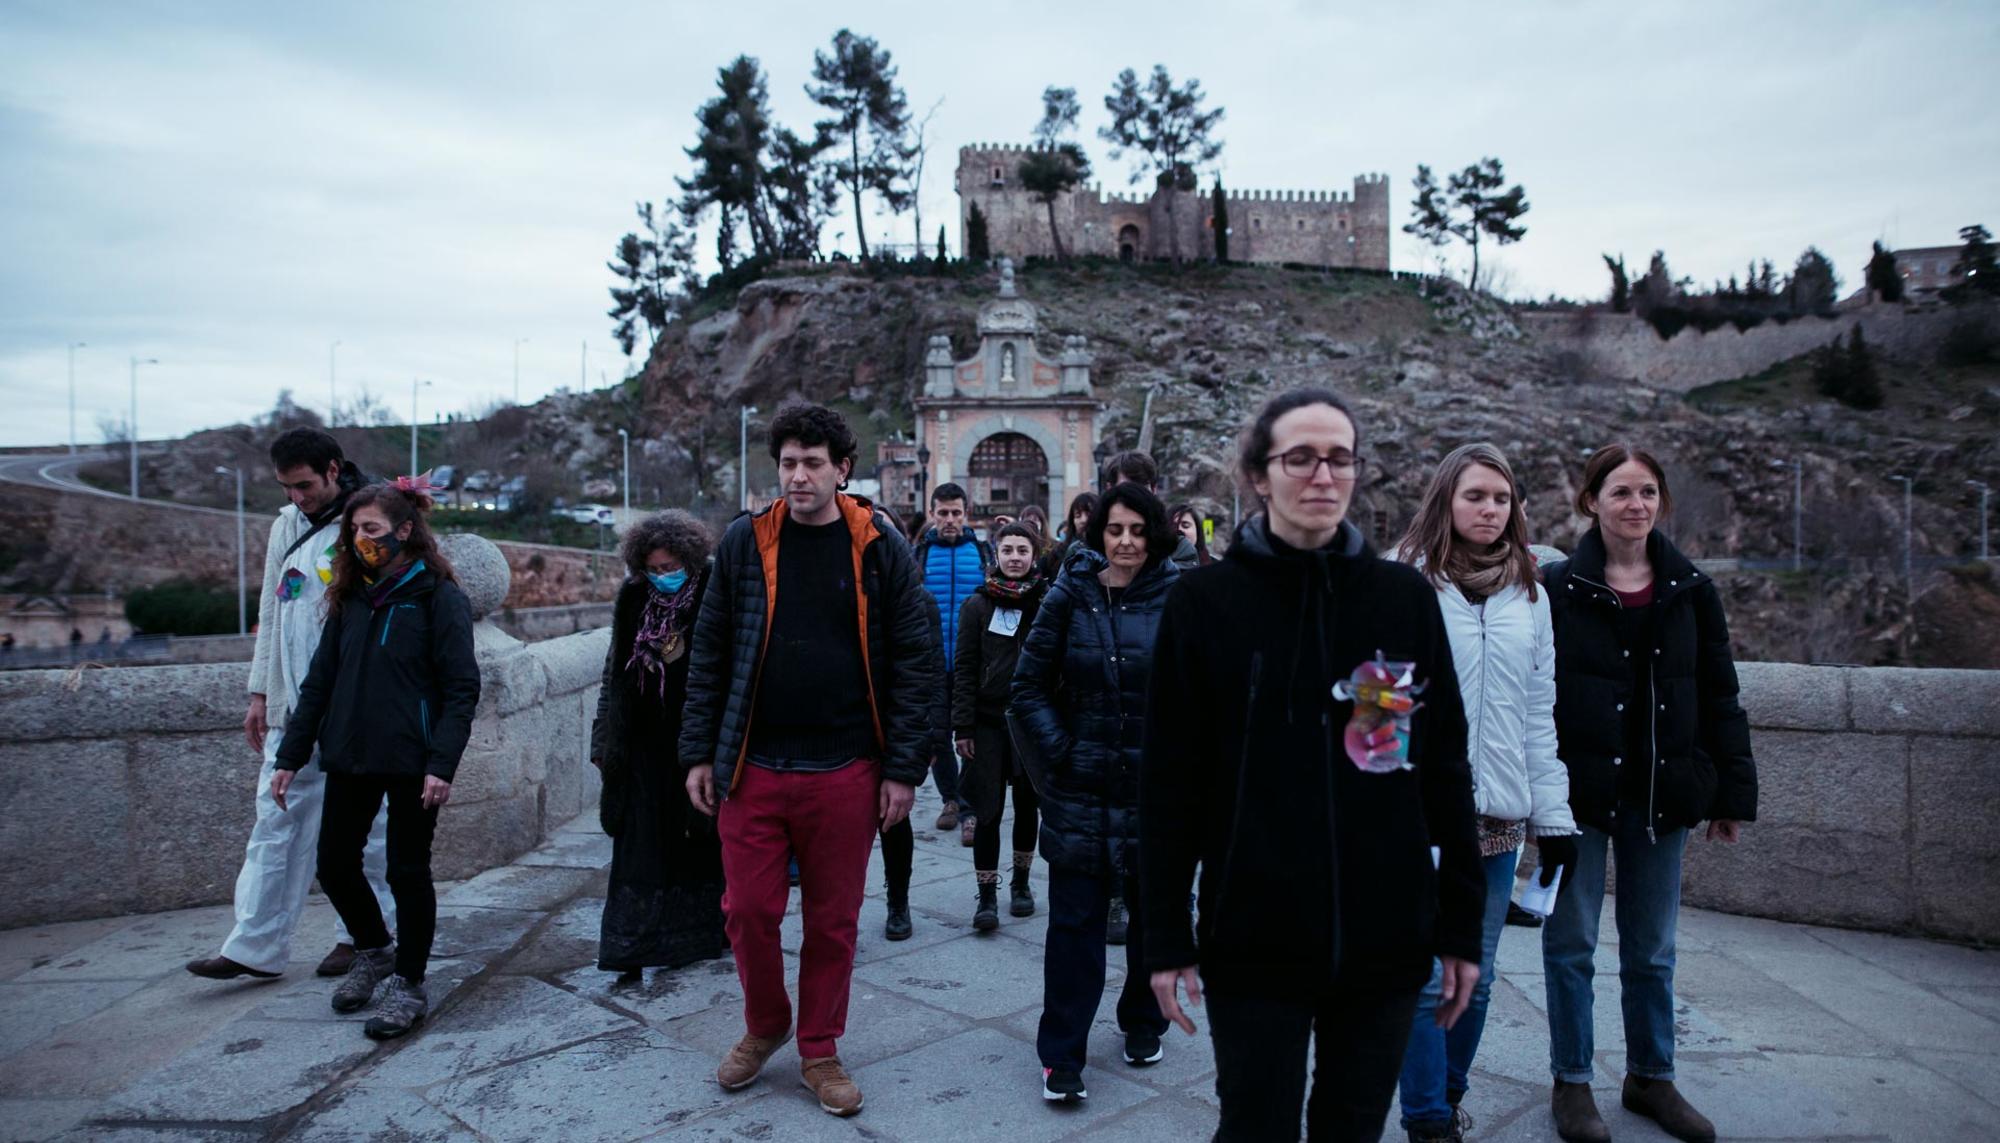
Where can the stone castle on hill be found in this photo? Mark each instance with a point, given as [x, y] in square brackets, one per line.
[1317, 228]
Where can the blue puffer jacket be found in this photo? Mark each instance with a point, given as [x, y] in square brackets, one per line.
[952, 572]
[1080, 696]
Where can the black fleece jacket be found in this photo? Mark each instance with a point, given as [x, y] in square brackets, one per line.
[1313, 872]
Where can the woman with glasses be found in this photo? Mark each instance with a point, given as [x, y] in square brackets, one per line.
[1305, 744]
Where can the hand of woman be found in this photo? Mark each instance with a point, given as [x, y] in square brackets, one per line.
[1166, 989]
[437, 792]
[965, 748]
[1725, 831]
[1456, 989]
[281, 780]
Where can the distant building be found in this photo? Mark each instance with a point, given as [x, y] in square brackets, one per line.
[1928, 269]
[1317, 228]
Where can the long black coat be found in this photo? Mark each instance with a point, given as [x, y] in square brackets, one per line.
[1702, 766]
[1080, 697]
[635, 712]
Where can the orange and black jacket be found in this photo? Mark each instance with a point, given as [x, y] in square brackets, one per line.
[733, 630]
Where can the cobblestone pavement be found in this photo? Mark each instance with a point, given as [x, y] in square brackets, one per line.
[1786, 1032]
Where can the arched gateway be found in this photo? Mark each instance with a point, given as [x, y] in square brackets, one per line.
[1015, 428]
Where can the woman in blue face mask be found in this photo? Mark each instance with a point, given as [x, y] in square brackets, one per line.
[664, 905]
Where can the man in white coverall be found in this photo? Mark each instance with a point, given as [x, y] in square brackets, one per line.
[279, 863]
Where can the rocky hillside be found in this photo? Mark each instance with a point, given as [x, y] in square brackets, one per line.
[1425, 373]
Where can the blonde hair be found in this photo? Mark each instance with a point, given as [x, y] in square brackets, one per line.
[1431, 538]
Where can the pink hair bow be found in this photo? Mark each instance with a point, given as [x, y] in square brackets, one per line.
[421, 482]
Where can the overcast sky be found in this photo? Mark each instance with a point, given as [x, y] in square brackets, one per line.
[231, 188]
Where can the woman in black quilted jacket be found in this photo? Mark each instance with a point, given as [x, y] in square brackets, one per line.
[1079, 706]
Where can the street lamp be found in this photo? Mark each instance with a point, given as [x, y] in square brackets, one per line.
[73, 347]
[625, 449]
[923, 473]
[134, 426]
[517, 367]
[332, 385]
[743, 456]
[414, 383]
[1102, 454]
[1909, 585]
[1798, 504]
[242, 582]
[1984, 491]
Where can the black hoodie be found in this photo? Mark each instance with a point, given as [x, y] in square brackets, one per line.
[1313, 872]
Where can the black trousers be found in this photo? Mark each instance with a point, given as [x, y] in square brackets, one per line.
[1357, 1037]
[994, 747]
[899, 857]
[352, 801]
[1073, 968]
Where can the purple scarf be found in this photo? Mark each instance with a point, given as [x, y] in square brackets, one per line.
[663, 633]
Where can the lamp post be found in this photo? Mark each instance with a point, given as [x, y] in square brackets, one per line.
[1909, 584]
[923, 473]
[743, 456]
[242, 582]
[414, 383]
[73, 347]
[1798, 508]
[332, 385]
[625, 451]
[136, 363]
[1985, 490]
[517, 368]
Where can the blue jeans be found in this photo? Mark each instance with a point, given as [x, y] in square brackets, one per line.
[1648, 905]
[1438, 1061]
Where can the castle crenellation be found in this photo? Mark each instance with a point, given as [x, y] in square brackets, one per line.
[1326, 227]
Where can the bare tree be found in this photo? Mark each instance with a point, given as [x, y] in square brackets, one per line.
[918, 149]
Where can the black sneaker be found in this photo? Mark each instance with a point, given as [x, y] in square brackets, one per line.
[1063, 1086]
[1516, 915]
[1116, 923]
[1445, 1132]
[1143, 1049]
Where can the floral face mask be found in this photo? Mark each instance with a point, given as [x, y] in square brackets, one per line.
[377, 553]
[1378, 732]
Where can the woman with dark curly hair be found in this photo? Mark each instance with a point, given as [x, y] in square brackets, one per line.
[664, 905]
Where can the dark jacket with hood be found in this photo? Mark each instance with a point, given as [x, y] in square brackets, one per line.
[982, 673]
[392, 686]
[1701, 769]
[898, 648]
[1079, 697]
[637, 713]
[1313, 871]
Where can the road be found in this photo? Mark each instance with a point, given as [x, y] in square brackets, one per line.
[42, 470]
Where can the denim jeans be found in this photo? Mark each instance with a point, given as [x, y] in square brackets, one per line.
[1438, 1061]
[1647, 906]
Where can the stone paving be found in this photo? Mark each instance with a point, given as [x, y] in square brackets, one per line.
[1786, 1032]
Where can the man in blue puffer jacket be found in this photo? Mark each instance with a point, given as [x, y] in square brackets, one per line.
[953, 563]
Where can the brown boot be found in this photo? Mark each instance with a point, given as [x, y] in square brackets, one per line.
[337, 962]
[1661, 1102]
[746, 1060]
[1576, 1115]
[222, 968]
[836, 1093]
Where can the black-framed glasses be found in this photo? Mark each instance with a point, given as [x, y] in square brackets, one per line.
[1303, 463]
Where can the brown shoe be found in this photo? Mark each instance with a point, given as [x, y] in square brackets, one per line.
[836, 1093]
[222, 968]
[1661, 1102]
[746, 1060]
[337, 962]
[948, 817]
[1576, 1115]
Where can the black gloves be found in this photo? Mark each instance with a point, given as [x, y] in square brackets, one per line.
[1555, 851]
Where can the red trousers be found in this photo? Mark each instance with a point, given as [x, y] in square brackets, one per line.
[828, 821]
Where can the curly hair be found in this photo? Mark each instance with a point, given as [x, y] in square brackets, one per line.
[685, 537]
[1161, 539]
[399, 506]
[811, 425]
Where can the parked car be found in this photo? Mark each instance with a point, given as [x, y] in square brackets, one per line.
[442, 476]
[593, 514]
[479, 482]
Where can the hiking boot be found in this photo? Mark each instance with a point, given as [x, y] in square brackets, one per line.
[1116, 922]
[337, 962]
[1063, 1086]
[1143, 1049]
[968, 826]
[746, 1060]
[1516, 915]
[222, 968]
[986, 917]
[1576, 1115]
[1460, 1118]
[830, 1085]
[1021, 898]
[1445, 1131]
[403, 1006]
[948, 817]
[898, 927]
[370, 968]
[1660, 1101]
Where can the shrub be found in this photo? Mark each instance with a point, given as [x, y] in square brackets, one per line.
[184, 606]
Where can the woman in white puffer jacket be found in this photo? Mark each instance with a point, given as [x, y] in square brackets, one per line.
[1470, 538]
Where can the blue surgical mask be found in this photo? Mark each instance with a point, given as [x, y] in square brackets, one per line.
[668, 583]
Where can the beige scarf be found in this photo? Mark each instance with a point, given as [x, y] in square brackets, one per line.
[1480, 573]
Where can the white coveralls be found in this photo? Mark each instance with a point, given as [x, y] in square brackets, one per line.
[283, 854]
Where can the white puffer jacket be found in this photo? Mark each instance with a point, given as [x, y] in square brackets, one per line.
[1506, 659]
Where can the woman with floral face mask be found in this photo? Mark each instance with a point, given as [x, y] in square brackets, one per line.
[663, 908]
[389, 701]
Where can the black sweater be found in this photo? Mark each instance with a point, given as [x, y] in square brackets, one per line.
[1313, 872]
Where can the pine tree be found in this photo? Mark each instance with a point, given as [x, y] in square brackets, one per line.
[1864, 386]
[942, 255]
[657, 269]
[975, 235]
[1055, 166]
[1814, 287]
[1621, 287]
[1470, 204]
[1883, 277]
[857, 83]
[1978, 269]
[1167, 130]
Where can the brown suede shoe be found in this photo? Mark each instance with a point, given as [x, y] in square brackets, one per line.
[836, 1093]
[1661, 1102]
[1576, 1115]
[222, 968]
[337, 962]
[948, 817]
[746, 1060]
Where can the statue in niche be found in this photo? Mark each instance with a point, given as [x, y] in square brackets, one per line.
[1006, 277]
[1007, 364]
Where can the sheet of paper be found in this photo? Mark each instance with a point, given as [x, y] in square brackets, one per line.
[1006, 621]
[1540, 900]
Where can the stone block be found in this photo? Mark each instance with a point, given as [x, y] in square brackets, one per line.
[63, 839]
[1955, 790]
[586, 1093]
[507, 1019]
[37, 705]
[573, 662]
[30, 1012]
[1909, 700]
[945, 1090]
[246, 1070]
[197, 800]
[1789, 696]
[373, 1111]
[481, 568]
[515, 680]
